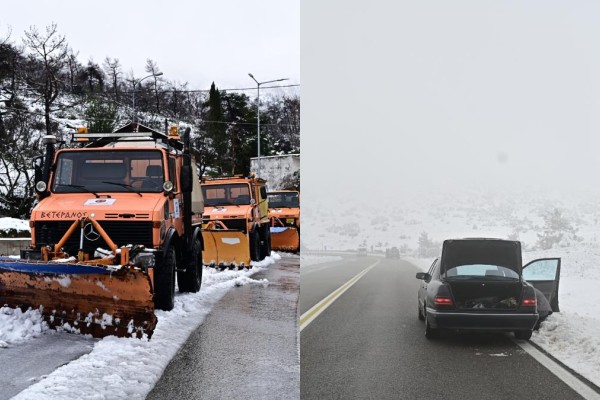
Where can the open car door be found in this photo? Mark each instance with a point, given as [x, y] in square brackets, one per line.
[544, 275]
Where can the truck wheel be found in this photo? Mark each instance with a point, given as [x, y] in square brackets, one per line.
[265, 244]
[164, 281]
[191, 280]
[254, 245]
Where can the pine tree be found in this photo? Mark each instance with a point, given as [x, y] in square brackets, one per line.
[216, 129]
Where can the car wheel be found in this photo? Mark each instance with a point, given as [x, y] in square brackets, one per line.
[431, 333]
[523, 335]
[421, 316]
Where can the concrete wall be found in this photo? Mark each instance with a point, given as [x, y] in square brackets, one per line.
[12, 247]
[275, 168]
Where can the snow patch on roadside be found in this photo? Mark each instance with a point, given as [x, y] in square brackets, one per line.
[17, 326]
[313, 259]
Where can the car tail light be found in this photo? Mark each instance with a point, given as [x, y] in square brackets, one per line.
[529, 302]
[443, 301]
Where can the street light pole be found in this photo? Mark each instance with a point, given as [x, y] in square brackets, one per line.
[135, 83]
[258, 115]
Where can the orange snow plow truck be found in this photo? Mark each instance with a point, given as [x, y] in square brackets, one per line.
[117, 222]
[236, 221]
[284, 212]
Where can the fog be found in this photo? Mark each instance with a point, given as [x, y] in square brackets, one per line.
[445, 96]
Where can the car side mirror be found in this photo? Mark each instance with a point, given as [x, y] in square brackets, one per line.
[423, 276]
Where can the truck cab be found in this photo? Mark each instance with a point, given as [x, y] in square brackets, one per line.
[236, 207]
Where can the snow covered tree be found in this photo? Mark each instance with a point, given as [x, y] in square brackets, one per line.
[557, 230]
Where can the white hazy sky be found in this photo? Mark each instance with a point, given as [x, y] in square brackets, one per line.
[447, 94]
[194, 41]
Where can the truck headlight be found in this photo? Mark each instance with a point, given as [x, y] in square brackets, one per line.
[41, 186]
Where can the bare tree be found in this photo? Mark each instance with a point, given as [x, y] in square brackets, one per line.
[52, 51]
[152, 68]
[112, 68]
[73, 68]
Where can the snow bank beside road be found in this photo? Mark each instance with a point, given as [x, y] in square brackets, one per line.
[572, 335]
[313, 259]
[13, 223]
[121, 368]
[17, 326]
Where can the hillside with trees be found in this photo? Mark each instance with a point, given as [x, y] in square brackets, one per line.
[46, 90]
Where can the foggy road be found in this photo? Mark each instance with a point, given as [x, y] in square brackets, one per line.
[369, 344]
[246, 348]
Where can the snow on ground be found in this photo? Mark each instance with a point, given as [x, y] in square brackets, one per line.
[13, 223]
[312, 259]
[126, 368]
[571, 335]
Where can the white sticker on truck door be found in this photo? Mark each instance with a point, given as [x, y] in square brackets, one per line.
[176, 208]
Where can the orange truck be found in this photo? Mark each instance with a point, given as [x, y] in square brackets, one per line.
[117, 223]
[235, 224]
[284, 213]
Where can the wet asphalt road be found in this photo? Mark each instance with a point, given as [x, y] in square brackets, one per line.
[246, 348]
[369, 344]
[24, 364]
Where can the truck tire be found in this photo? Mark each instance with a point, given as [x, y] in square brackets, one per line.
[254, 245]
[164, 281]
[265, 243]
[191, 280]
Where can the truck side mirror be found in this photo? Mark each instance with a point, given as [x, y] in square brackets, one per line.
[186, 179]
[38, 165]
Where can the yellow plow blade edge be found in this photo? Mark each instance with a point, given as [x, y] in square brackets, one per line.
[82, 299]
[285, 239]
[225, 247]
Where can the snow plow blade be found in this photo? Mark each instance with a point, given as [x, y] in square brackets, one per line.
[285, 239]
[225, 248]
[80, 298]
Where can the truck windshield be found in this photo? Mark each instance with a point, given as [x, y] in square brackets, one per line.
[225, 195]
[109, 171]
[283, 200]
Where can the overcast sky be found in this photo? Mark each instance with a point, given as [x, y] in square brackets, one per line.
[194, 41]
[442, 94]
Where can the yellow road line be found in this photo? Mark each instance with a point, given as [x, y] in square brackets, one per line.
[321, 306]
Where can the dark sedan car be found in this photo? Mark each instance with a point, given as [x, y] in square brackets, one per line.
[481, 285]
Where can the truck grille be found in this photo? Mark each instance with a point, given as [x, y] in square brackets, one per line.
[120, 232]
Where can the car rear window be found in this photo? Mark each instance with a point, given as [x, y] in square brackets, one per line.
[487, 271]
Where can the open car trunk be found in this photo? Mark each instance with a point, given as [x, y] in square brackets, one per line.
[481, 294]
[483, 274]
